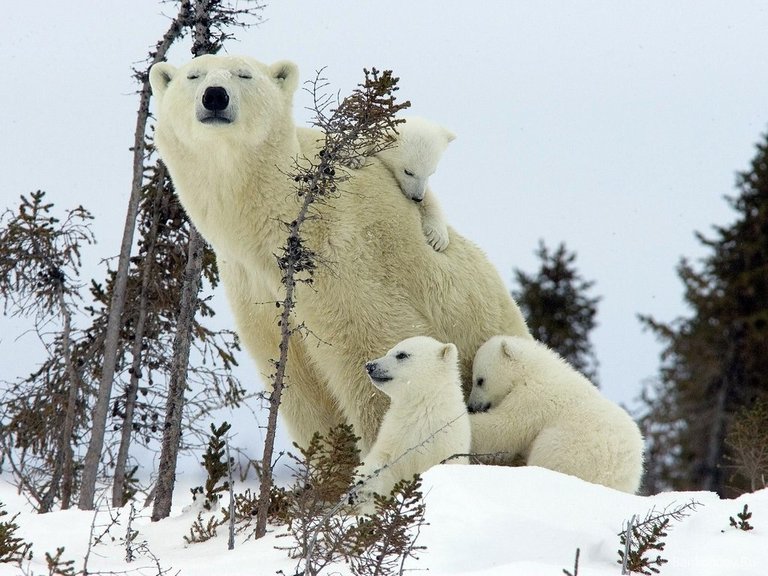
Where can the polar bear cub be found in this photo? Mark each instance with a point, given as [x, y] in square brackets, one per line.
[417, 148]
[527, 401]
[427, 421]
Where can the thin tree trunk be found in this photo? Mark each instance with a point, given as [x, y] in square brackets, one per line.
[65, 442]
[166, 477]
[131, 391]
[112, 340]
[166, 474]
[62, 478]
[713, 478]
[265, 487]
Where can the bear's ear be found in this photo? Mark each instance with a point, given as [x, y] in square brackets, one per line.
[160, 75]
[286, 74]
[449, 353]
[506, 350]
[449, 136]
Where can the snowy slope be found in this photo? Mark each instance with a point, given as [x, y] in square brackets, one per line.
[483, 521]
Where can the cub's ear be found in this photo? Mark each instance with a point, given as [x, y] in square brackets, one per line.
[286, 75]
[449, 136]
[507, 350]
[160, 75]
[449, 353]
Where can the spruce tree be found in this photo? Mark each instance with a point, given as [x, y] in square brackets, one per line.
[558, 309]
[715, 362]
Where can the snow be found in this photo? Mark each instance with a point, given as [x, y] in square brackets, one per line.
[482, 521]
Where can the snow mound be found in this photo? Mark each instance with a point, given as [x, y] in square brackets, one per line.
[483, 521]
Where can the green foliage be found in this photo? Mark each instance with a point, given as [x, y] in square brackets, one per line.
[40, 256]
[557, 308]
[645, 541]
[41, 415]
[12, 548]
[130, 485]
[57, 566]
[327, 530]
[378, 544]
[216, 466]
[329, 463]
[641, 539]
[715, 361]
[743, 520]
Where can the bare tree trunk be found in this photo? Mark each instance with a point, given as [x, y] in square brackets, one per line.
[101, 408]
[62, 478]
[131, 392]
[166, 474]
[731, 381]
[275, 396]
[174, 410]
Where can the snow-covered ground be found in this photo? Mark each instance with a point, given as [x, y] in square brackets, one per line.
[483, 520]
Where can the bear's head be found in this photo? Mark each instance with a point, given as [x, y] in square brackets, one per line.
[221, 97]
[495, 372]
[414, 366]
[414, 156]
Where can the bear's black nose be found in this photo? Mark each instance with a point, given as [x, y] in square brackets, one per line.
[370, 367]
[215, 98]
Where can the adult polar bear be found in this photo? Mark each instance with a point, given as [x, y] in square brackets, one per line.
[225, 130]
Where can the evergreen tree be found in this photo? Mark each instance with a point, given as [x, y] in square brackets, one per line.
[715, 362]
[41, 416]
[558, 309]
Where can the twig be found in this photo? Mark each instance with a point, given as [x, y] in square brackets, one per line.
[231, 542]
[350, 494]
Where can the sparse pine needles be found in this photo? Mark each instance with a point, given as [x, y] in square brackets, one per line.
[641, 540]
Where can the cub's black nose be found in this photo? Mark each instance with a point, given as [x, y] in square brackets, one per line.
[370, 367]
[215, 98]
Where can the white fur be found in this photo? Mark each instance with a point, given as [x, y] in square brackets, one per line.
[377, 281]
[412, 157]
[542, 409]
[427, 420]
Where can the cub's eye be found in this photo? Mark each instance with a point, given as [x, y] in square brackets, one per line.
[401, 355]
[244, 74]
[409, 173]
[480, 382]
[193, 76]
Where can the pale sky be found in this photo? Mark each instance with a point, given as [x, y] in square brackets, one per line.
[614, 127]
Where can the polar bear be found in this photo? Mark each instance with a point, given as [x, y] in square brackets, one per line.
[225, 131]
[526, 400]
[416, 148]
[427, 421]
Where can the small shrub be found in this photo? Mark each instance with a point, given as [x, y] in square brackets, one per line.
[215, 465]
[380, 543]
[57, 566]
[743, 520]
[747, 439]
[12, 548]
[639, 539]
[200, 531]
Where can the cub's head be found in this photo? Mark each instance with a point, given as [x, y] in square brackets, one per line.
[496, 370]
[414, 366]
[217, 97]
[413, 158]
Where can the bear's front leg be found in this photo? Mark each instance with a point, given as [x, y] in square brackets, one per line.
[494, 438]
